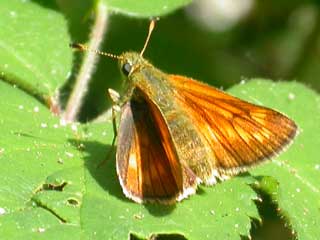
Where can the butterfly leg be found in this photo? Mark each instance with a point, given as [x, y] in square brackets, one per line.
[115, 98]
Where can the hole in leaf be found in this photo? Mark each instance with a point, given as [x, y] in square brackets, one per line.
[73, 201]
[53, 187]
[159, 237]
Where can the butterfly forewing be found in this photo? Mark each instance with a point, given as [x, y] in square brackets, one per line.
[239, 133]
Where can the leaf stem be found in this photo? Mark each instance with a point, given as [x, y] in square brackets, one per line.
[80, 89]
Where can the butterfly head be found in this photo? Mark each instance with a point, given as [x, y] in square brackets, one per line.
[130, 62]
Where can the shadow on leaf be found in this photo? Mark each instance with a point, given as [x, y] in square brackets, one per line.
[99, 159]
[101, 169]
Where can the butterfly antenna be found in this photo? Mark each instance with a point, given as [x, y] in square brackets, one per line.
[151, 27]
[82, 47]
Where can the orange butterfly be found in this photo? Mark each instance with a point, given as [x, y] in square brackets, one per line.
[176, 133]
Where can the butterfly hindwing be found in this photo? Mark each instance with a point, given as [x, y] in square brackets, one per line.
[147, 165]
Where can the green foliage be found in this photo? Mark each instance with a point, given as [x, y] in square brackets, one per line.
[47, 165]
[50, 183]
[34, 54]
[145, 8]
[40, 155]
[34, 148]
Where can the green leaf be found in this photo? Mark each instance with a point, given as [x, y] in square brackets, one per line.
[50, 173]
[297, 171]
[34, 53]
[34, 150]
[145, 8]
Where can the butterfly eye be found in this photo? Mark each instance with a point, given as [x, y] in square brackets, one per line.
[126, 68]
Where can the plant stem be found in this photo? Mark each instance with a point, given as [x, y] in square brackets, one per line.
[80, 89]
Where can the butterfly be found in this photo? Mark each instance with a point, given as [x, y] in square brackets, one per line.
[176, 133]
